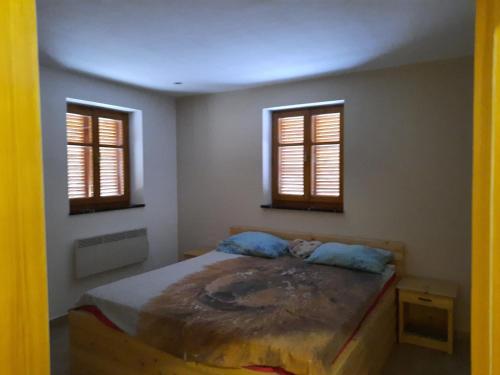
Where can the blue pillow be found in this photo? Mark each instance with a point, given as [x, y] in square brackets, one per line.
[357, 257]
[255, 244]
[387, 256]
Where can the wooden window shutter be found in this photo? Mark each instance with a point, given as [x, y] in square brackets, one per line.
[325, 152]
[291, 155]
[98, 165]
[111, 157]
[307, 158]
[80, 156]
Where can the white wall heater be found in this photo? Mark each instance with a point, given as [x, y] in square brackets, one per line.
[103, 253]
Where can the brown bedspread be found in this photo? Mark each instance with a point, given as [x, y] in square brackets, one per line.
[253, 311]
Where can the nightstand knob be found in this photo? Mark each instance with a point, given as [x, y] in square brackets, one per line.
[425, 299]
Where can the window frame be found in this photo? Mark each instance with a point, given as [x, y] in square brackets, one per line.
[307, 201]
[96, 202]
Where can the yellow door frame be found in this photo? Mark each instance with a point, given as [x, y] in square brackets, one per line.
[24, 342]
[485, 322]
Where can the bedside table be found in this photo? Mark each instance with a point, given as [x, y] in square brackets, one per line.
[426, 312]
[193, 253]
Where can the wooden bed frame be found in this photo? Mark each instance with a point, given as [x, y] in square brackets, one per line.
[96, 349]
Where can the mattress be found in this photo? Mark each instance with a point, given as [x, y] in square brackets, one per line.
[236, 311]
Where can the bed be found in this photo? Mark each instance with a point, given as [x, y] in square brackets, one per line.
[103, 337]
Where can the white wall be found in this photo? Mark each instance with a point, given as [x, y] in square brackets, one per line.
[160, 186]
[407, 164]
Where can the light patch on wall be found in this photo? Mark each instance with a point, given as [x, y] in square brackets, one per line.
[267, 143]
[136, 152]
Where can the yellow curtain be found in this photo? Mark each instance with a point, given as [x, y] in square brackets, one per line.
[24, 344]
[486, 193]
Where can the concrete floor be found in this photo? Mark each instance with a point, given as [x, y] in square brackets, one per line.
[405, 359]
[413, 360]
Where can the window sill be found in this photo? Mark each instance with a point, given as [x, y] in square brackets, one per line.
[85, 211]
[317, 209]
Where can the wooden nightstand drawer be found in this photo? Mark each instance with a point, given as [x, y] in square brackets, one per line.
[425, 299]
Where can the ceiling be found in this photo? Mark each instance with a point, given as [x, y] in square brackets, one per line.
[220, 45]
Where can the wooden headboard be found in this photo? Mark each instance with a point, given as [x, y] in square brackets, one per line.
[397, 248]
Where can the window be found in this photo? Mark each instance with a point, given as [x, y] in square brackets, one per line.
[98, 161]
[307, 158]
